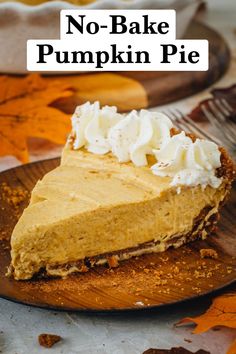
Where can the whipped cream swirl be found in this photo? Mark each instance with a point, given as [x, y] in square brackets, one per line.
[187, 162]
[129, 137]
[134, 136]
[137, 135]
[90, 127]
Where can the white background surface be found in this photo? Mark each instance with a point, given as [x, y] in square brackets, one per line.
[102, 334]
[124, 334]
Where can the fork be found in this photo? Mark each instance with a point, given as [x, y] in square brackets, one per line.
[218, 113]
[184, 122]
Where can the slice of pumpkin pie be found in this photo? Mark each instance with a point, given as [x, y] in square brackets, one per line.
[127, 185]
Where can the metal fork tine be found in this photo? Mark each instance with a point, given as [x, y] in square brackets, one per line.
[231, 128]
[201, 132]
[180, 114]
[221, 108]
[215, 110]
[194, 127]
[186, 123]
[176, 119]
[208, 114]
[226, 109]
[178, 125]
[173, 118]
[216, 115]
[169, 114]
[214, 121]
[184, 127]
[217, 119]
[230, 135]
[227, 105]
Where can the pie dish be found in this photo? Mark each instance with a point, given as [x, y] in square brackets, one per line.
[127, 185]
[19, 22]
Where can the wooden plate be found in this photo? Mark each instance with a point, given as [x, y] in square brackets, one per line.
[145, 282]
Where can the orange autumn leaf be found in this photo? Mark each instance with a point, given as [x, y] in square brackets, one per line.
[222, 312]
[232, 348]
[25, 112]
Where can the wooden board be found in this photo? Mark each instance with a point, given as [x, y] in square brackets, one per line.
[136, 90]
[145, 282]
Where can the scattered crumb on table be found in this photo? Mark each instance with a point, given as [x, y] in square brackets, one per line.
[13, 196]
[208, 253]
[48, 340]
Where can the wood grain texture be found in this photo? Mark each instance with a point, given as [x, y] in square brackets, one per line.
[145, 282]
[136, 90]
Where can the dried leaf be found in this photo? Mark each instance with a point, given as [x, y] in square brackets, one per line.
[222, 312]
[232, 349]
[25, 112]
[179, 350]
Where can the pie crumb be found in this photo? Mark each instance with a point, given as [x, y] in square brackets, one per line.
[48, 340]
[13, 196]
[113, 262]
[208, 253]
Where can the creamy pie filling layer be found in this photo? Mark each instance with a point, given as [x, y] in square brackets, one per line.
[203, 225]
